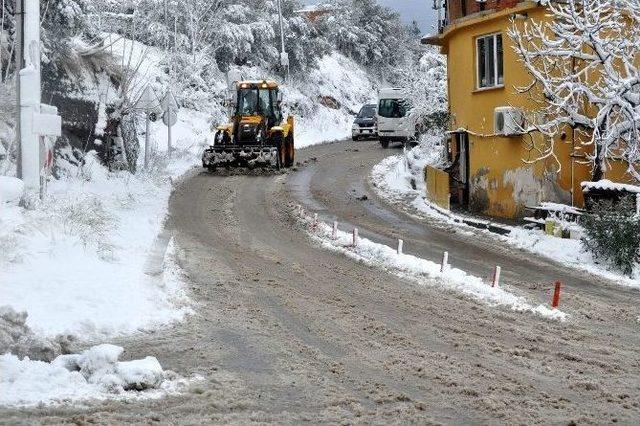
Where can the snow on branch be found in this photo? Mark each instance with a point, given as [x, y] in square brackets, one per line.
[583, 60]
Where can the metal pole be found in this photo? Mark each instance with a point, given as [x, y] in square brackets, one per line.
[169, 130]
[147, 148]
[19, 66]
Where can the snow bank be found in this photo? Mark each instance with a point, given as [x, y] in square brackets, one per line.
[10, 189]
[392, 179]
[95, 374]
[422, 271]
[77, 263]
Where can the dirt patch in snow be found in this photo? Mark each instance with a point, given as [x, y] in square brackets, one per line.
[17, 338]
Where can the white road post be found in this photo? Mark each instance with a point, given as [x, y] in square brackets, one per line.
[355, 237]
[445, 261]
[400, 244]
[496, 277]
[334, 233]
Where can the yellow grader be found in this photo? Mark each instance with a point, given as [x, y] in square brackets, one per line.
[257, 135]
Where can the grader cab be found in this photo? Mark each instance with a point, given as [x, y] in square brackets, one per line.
[257, 135]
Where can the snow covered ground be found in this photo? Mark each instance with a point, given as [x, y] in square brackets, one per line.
[79, 263]
[395, 177]
[422, 271]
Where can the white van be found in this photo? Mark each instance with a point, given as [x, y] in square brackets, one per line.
[394, 122]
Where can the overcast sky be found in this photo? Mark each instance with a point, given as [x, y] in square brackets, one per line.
[411, 10]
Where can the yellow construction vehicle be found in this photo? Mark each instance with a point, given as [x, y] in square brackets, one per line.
[257, 134]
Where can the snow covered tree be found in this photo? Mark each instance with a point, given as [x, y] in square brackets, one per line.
[370, 34]
[584, 63]
[425, 82]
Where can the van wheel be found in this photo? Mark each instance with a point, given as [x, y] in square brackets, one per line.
[384, 143]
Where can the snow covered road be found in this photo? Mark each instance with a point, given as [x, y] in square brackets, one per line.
[285, 331]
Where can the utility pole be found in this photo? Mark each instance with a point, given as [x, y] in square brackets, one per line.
[19, 65]
[284, 58]
[36, 119]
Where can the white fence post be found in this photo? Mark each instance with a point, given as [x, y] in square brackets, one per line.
[496, 277]
[445, 260]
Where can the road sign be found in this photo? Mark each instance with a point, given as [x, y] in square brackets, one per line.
[169, 118]
[148, 101]
[169, 102]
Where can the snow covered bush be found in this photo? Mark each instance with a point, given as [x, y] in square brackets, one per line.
[612, 234]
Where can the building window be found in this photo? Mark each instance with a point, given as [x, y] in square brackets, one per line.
[489, 61]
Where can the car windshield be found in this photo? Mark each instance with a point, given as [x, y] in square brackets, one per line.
[256, 102]
[367, 111]
[392, 108]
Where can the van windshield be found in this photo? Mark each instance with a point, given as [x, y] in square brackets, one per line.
[392, 108]
[368, 111]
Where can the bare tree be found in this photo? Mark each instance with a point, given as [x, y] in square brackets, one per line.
[584, 63]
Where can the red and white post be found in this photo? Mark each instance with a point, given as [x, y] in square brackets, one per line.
[556, 296]
[496, 277]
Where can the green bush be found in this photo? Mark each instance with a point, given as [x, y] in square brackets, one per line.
[612, 234]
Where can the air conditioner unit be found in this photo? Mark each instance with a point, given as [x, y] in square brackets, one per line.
[508, 121]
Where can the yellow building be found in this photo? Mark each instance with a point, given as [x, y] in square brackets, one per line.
[489, 173]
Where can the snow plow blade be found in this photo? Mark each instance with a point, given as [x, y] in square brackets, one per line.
[247, 156]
